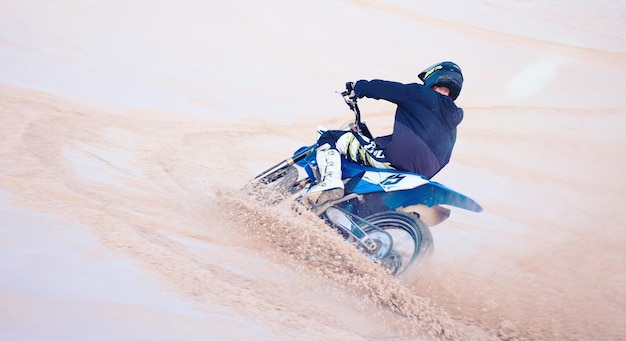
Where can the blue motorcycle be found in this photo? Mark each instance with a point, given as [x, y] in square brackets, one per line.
[385, 213]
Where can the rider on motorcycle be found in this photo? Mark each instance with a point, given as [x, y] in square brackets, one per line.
[423, 135]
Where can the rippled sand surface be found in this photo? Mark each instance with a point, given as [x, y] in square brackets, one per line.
[128, 129]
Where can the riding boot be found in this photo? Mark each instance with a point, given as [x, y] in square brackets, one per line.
[330, 187]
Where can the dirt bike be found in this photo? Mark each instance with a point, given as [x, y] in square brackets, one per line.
[385, 213]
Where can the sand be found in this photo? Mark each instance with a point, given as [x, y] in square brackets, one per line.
[128, 129]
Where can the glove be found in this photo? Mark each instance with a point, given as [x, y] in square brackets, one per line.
[349, 91]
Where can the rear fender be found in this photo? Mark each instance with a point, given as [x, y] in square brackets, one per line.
[430, 194]
[399, 189]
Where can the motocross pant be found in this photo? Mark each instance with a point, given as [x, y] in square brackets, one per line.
[355, 147]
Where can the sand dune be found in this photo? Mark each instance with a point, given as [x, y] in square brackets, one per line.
[128, 129]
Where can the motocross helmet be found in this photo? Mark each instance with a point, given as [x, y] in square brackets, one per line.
[446, 74]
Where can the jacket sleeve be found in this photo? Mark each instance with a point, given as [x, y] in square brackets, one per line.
[379, 89]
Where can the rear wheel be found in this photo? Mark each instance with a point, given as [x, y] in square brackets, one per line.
[402, 239]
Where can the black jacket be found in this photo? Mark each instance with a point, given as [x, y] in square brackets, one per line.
[424, 131]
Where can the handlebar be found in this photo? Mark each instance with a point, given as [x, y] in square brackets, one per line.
[358, 126]
[352, 103]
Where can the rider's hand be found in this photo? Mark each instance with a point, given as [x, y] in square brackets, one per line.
[349, 91]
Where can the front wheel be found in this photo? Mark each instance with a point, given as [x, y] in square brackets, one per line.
[274, 186]
[401, 239]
